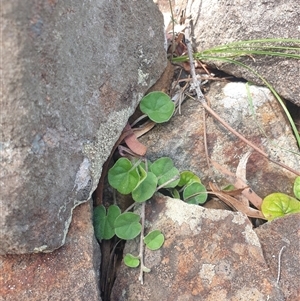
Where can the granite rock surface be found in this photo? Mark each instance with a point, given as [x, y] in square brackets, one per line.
[73, 73]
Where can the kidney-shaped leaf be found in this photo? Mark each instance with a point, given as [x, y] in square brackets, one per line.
[165, 171]
[158, 106]
[279, 204]
[98, 216]
[161, 166]
[195, 193]
[165, 179]
[175, 194]
[145, 190]
[104, 223]
[297, 188]
[127, 225]
[188, 177]
[131, 261]
[142, 173]
[122, 177]
[154, 240]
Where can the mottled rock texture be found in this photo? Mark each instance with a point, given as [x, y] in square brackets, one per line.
[283, 233]
[182, 138]
[207, 255]
[70, 273]
[73, 72]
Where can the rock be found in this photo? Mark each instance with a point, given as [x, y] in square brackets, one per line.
[207, 255]
[219, 22]
[182, 138]
[73, 73]
[70, 273]
[244, 21]
[283, 232]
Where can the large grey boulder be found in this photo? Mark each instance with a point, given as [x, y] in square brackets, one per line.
[73, 72]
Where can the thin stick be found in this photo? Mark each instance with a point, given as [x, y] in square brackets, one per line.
[173, 29]
[168, 182]
[130, 207]
[141, 253]
[279, 263]
[233, 131]
[205, 140]
[196, 82]
[138, 120]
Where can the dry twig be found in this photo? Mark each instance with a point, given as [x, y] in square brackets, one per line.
[279, 264]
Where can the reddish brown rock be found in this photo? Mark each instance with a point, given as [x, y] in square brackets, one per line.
[69, 273]
[283, 233]
[207, 255]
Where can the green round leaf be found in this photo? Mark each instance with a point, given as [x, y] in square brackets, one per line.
[161, 166]
[127, 225]
[131, 261]
[142, 173]
[98, 215]
[188, 177]
[165, 171]
[158, 106]
[195, 193]
[279, 204]
[175, 194]
[297, 188]
[165, 179]
[146, 189]
[122, 177]
[154, 240]
[104, 223]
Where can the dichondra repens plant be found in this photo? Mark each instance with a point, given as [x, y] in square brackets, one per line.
[138, 176]
[142, 178]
